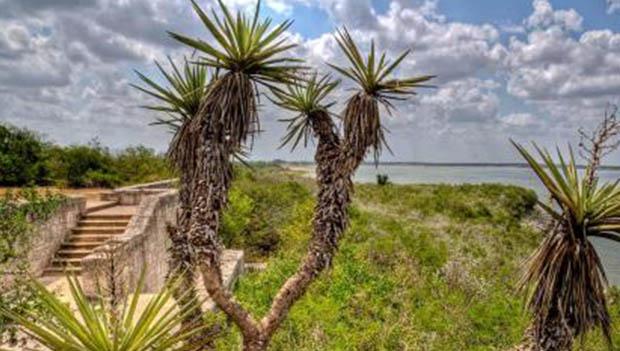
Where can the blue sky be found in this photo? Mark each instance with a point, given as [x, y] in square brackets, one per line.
[524, 69]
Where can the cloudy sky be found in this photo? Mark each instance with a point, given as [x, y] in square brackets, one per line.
[528, 70]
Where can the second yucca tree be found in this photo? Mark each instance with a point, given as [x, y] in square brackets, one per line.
[337, 159]
[565, 276]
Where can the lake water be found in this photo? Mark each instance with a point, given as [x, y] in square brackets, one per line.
[432, 174]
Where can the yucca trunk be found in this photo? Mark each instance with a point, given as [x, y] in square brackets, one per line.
[568, 298]
[329, 223]
[232, 98]
[362, 130]
[180, 267]
[555, 335]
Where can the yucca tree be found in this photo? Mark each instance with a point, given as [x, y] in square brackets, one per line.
[92, 327]
[177, 102]
[338, 159]
[363, 130]
[564, 277]
[248, 52]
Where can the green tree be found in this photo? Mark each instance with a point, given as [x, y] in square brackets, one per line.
[22, 155]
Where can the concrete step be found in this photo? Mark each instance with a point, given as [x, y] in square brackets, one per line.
[83, 238]
[107, 217]
[102, 223]
[57, 270]
[93, 206]
[98, 230]
[80, 245]
[73, 253]
[64, 262]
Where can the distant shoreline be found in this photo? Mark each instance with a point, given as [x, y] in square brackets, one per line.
[436, 164]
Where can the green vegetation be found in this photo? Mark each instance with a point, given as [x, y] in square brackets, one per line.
[27, 160]
[19, 213]
[428, 267]
[99, 327]
[383, 179]
[422, 267]
[22, 158]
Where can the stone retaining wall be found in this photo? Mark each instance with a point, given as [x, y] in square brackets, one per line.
[143, 246]
[49, 235]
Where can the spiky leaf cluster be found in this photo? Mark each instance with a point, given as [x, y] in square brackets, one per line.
[362, 123]
[565, 275]
[372, 74]
[245, 44]
[180, 98]
[93, 327]
[306, 98]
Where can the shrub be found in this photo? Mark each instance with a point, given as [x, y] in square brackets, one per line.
[19, 211]
[383, 179]
[140, 164]
[81, 161]
[22, 155]
[26, 160]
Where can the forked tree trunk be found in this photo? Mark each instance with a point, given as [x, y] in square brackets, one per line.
[333, 173]
[336, 164]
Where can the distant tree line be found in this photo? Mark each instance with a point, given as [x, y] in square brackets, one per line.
[26, 159]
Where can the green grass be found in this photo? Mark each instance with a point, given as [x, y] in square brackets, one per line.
[422, 267]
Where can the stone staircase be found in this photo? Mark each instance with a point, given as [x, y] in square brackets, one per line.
[102, 221]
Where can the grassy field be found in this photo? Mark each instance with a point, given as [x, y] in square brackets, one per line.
[422, 267]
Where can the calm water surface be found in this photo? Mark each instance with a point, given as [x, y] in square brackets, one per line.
[404, 174]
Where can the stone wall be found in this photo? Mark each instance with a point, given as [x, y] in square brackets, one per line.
[49, 235]
[133, 195]
[143, 247]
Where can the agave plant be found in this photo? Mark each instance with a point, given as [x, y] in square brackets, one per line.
[248, 52]
[92, 327]
[565, 277]
[362, 122]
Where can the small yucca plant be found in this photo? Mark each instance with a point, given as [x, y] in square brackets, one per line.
[247, 51]
[362, 123]
[565, 277]
[94, 327]
[306, 99]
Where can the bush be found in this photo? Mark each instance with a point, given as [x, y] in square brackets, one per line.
[141, 165]
[84, 165]
[383, 179]
[26, 160]
[19, 211]
[22, 154]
